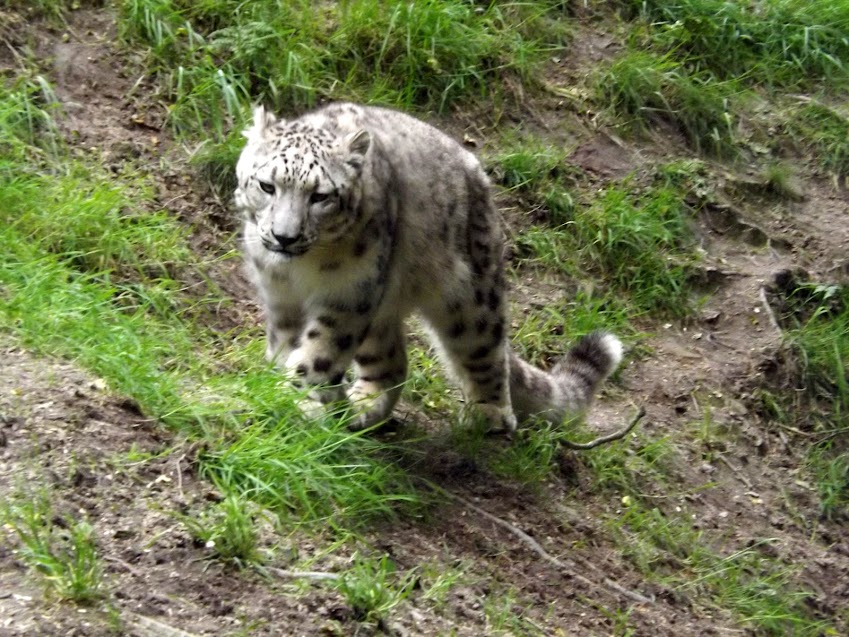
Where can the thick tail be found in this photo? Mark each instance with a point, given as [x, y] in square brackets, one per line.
[568, 389]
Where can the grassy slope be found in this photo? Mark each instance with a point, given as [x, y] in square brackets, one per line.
[121, 307]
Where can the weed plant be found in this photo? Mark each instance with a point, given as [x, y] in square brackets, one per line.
[539, 176]
[504, 615]
[543, 332]
[426, 385]
[52, 9]
[528, 460]
[821, 345]
[829, 463]
[372, 588]
[229, 530]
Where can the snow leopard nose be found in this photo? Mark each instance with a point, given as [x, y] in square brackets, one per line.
[286, 241]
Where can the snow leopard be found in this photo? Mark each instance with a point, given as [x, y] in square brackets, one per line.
[356, 217]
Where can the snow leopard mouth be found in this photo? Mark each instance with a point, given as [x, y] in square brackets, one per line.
[289, 251]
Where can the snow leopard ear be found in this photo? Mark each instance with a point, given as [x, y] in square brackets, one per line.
[263, 120]
[356, 146]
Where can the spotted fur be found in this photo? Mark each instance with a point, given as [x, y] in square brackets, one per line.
[357, 216]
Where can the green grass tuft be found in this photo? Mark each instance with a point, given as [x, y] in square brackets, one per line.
[825, 132]
[229, 530]
[319, 471]
[543, 332]
[62, 552]
[32, 9]
[372, 588]
[539, 176]
[644, 89]
[756, 587]
[809, 390]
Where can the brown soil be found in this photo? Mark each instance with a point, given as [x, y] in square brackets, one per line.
[59, 428]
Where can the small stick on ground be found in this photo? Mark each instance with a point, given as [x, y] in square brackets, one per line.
[128, 567]
[616, 435]
[769, 313]
[313, 575]
[736, 471]
[548, 557]
[179, 472]
[831, 434]
[149, 627]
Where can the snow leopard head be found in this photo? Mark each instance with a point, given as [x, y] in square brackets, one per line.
[297, 184]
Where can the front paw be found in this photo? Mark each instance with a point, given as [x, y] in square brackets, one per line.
[500, 420]
[311, 409]
[319, 401]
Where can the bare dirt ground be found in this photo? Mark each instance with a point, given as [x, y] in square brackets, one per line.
[58, 427]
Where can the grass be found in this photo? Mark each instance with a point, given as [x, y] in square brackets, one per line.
[529, 460]
[91, 270]
[228, 530]
[631, 467]
[643, 89]
[426, 385]
[829, 465]
[639, 245]
[825, 133]
[758, 588]
[61, 550]
[819, 338]
[776, 43]
[779, 179]
[52, 9]
[437, 581]
[315, 471]
[372, 588]
[214, 58]
[688, 59]
[505, 616]
[538, 176]
[544, 331]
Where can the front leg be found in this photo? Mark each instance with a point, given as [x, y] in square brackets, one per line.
[320, 354]
[381, 362]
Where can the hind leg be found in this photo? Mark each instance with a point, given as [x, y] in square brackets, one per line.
[469, 335]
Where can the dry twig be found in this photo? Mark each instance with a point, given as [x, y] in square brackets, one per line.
[548, 557]
[149, 627]
[616, 435]
[127, 566]
[736, 471]
[313, 575]
[769, 312]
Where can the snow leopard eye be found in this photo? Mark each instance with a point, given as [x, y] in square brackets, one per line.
[266, 187]
[319, 197]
